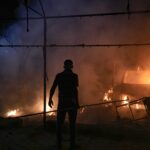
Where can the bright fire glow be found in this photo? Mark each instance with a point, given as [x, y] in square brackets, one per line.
[110, 91]
[125, 98]
[12, 113]
[82, 110]
[125, 102]
[108, 95]
[137, 106]
[39, 107]
[140, 106]
[52, 114]
[137, 77]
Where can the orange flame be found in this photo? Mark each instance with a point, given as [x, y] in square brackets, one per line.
[125, 98]
[12, 113]
[108, 95]
[82, 110]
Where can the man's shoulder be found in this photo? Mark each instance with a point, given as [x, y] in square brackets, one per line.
[63, 74]
[59, 74]
[75, 74]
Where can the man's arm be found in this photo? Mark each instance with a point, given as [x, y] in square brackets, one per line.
[50, 103]
[77, 96]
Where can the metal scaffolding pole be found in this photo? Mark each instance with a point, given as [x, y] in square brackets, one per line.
[121, 13]
[45, 62]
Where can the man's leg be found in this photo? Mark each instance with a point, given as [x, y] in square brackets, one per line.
[60, 120]
[72, 120]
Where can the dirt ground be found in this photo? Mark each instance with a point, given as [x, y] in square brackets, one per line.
[89, 137]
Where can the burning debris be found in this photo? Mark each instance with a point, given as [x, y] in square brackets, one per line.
[13, 113]
[135, 85]
[38, 107]
[120, 92]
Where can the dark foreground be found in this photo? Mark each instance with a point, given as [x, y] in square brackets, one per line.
[120, 136]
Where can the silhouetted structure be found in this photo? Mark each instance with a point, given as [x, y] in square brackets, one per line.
[67, 83]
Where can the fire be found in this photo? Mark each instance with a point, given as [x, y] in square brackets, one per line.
[110, 91]
[137, 106]
[50, 109]
[137, 77]
[108, 95]
[125, 98]
[106, 98]
[13, 113]
[39, 107]
[82, 110]
[52, 114]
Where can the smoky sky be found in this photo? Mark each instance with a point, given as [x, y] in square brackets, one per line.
[7, 10]
[98, 68]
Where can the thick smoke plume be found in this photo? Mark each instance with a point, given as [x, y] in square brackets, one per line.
[98, 68]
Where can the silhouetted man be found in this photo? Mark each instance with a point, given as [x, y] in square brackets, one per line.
[67, 83]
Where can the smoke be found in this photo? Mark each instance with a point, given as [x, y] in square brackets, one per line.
[98, 68]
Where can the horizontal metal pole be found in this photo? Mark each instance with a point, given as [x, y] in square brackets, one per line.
[81, 15]
[73, 45]
[132, 102]
[82, 106]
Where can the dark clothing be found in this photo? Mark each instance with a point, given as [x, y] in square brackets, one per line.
[72, 114]
[67, 83]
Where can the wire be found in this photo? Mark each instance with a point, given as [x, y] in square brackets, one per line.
[74, 45]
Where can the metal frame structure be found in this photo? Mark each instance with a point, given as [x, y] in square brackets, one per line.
[129, 104]
[114, 102]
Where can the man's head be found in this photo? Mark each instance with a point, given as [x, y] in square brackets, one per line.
[68, 64]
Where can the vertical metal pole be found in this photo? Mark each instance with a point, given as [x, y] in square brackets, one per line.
[45, 61]
[131, 111]
[27, 11]
[44, 67]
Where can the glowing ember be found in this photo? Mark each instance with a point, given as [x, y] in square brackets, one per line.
[82, 110]
[12, 113]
